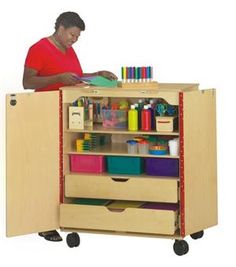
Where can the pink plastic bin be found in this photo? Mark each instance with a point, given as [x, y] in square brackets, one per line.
[87, 163]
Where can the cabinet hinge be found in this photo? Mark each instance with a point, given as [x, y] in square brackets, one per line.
[13, 101]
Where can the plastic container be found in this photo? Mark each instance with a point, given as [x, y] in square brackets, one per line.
[162, 167]
[143, 147]
[132, 119]
[132, 146]
[174, 147]
[124, 165]
[158, 150]
[114, 119]
[87, 163]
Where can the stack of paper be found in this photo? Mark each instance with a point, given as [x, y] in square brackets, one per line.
[98, 81]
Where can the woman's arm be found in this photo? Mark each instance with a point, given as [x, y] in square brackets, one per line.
[32, 81]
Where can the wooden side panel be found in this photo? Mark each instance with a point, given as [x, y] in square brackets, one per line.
[32, 163]
[200, 175]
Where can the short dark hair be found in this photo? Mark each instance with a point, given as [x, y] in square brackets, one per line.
[70, 19]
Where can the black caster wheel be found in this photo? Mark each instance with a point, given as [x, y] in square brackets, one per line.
[180, 247]
[197, 235]
[73, 240]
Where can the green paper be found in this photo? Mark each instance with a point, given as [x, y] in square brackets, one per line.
[102, 82]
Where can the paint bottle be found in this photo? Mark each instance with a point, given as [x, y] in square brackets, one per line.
[146, 119]
[140, 107]
[152, 109]
[132, 119]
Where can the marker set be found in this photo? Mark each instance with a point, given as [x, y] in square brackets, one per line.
[136, 74]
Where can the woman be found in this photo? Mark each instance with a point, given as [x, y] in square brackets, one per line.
[52, 63]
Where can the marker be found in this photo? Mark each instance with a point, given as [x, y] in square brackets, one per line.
[136, 74]
[133, 74]
[127, 74]
[144, 74]
[124, 74]
[130, 74]
[148, 73]
[139, 74]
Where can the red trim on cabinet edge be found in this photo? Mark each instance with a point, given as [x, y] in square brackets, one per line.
[181, 164]
[61, 182]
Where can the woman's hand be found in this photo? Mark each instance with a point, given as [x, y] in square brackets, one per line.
[107, 74]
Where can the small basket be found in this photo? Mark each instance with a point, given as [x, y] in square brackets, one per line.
[166, 124]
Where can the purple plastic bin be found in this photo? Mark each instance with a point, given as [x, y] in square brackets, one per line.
[160, 206]
[162, 167]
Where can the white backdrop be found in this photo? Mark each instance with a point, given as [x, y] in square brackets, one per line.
[185, 41]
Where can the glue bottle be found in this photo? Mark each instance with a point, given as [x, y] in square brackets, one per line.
[152, 110]
[133, 119]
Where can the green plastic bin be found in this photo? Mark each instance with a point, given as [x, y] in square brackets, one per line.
[124, 165]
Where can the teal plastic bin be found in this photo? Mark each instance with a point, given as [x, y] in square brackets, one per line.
[124, 165]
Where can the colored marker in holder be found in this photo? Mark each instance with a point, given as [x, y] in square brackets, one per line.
[136, 74]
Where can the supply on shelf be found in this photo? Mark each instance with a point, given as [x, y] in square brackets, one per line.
[132, 146]
[132, 119]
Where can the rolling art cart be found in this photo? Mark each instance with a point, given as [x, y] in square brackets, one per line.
[49, 185]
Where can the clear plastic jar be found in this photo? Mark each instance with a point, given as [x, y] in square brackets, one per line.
[143, 147]
[132, 147]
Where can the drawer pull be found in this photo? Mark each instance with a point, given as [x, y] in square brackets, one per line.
[95, 92]
[115, 210]
[119, 179]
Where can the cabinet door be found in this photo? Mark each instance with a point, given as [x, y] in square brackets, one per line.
[32, 162]
[200, 177]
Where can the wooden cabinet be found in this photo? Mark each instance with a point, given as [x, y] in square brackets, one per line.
[41, 185]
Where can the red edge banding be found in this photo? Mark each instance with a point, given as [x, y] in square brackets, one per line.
[61, 183]
[181, 158]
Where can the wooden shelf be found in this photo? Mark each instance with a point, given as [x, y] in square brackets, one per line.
[98, 128]
[116, 149]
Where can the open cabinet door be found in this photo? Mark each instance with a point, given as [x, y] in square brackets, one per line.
[32, 162]
[200, 176]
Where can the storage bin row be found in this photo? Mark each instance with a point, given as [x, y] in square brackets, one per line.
[119, 205]
[124, 165]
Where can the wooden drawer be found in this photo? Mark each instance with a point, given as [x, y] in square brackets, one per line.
[139, 189]
[134, 220]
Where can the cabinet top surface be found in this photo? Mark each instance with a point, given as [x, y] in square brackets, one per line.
[162, 87]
